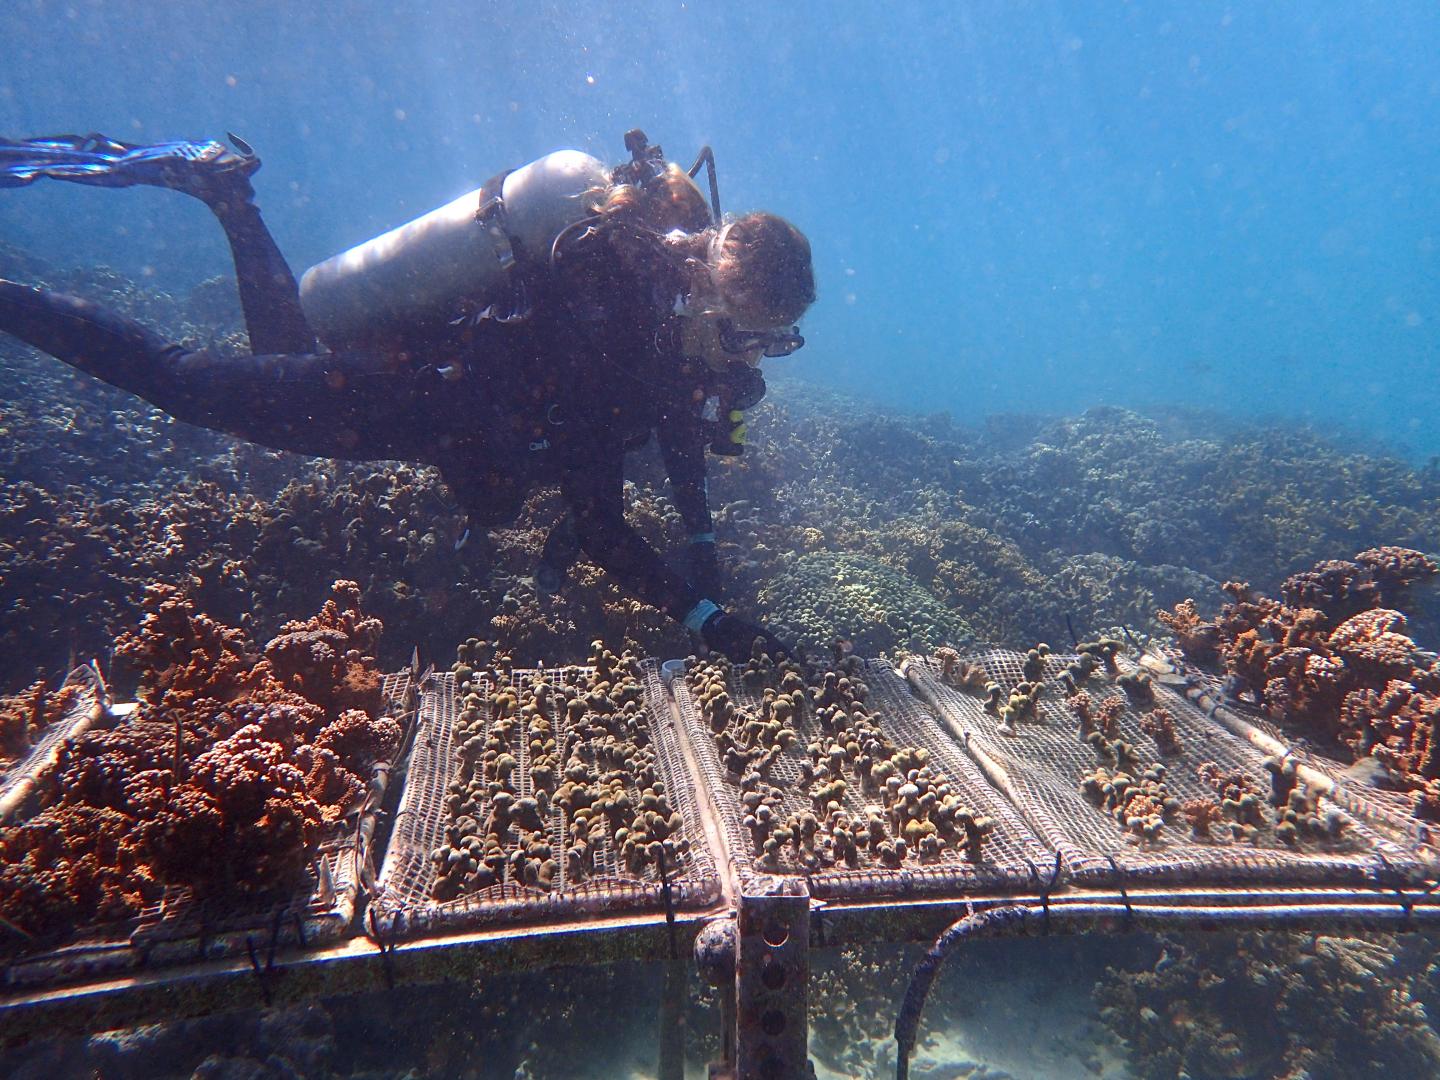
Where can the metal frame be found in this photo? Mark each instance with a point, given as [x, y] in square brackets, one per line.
[363, 964]
[768, 1036]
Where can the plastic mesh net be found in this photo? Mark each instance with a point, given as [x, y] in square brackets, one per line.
[1009, 853]
[408, 875]
[1043, 764]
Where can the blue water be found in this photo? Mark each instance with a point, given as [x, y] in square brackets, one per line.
[1014, 207]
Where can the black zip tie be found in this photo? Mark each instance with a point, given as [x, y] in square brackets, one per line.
[1397, 887]
[300, 930]
[387, 949]
[1124, 895]
[1074, 641]
[1044, 888]
[259, 972]
[665, 895]
[274, 938]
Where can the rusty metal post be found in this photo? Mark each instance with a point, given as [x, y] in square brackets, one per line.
[771, 973]
[715, 959]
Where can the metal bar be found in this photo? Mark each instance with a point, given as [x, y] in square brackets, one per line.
[771, 974]
[356, 966]
[672, 1022]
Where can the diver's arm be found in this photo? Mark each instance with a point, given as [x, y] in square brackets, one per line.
[682, 445]
[594, 491]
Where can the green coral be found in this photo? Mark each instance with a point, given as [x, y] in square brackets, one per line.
[824, 596]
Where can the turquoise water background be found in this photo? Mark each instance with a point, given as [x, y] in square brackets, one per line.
[1014, 207]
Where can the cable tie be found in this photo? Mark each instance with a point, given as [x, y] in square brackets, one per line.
[1044, 889]
[257, 969]
[1397, 887]
[1124, 893]
[1044, 895]
[274, 940]
[387, 949]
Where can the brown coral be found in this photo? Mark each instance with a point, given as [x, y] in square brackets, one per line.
[1159, 724]
[223, 780]
[1360, 684]
[26, 715]
[1199, 640]
[324, 658]
[1107, 716]
[1375, 578]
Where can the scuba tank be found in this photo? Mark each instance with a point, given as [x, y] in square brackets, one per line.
[473, 252]
[454, 259]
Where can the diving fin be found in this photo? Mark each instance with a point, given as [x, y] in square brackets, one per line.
[197, 168]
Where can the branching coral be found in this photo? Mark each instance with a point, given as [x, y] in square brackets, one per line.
[1159, 724]
[26, 715]
[1378, 577]
[224, 780]
[328, 659]
[1354, 680]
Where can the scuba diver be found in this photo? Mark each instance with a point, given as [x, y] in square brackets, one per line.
[528, 333]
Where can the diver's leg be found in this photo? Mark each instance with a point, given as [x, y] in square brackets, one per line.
[218, 177]
[269, 295]
[358, 406]
[562, 548]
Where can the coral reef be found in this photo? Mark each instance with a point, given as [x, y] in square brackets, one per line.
[224, 779]
[848, 1034]
[1271, 1004]
[822, 596]
[1013, 529]
[1350, 679]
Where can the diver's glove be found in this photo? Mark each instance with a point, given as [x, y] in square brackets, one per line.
[732, 636]
[702, 565]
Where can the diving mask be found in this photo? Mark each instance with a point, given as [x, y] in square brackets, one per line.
[772, 343]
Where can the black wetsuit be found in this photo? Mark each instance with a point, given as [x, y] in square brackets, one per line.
[555, 397]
